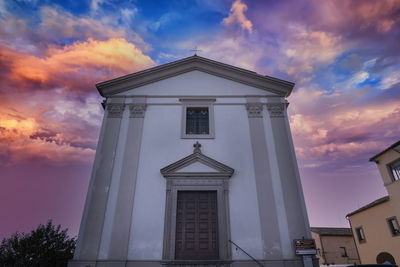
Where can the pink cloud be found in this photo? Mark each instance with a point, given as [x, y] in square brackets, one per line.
[236, 15]
[33, 126]
[338, 129]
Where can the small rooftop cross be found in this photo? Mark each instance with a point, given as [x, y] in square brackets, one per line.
[195, 50]
[196, 147]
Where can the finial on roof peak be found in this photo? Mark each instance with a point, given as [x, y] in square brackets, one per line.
[196, 146]
[195, 50]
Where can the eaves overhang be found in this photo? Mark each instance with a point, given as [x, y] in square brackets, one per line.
[118, 85]
[374, 158]
[370, 205]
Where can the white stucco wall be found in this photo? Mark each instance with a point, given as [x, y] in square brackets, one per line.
[162, 145]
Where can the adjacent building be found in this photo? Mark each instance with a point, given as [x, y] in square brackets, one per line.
[376, 226]
[335, 245]
[195, 159]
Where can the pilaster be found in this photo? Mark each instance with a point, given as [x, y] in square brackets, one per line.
[265, 194]
[288, 171]
[275, 110]
[93, 218]
[119, 242]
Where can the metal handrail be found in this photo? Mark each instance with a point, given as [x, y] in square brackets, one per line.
[259, 263]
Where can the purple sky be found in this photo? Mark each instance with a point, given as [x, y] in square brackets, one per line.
[344, 57]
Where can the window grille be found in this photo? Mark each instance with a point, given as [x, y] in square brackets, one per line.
[197, 120]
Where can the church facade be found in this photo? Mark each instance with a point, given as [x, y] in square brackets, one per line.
[195, 166]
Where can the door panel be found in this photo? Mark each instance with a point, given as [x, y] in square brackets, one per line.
[196, 226]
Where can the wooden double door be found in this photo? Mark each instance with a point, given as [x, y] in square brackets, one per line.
[196, 226]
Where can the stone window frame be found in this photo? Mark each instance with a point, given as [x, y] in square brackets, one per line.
[197, 181]
[360, 231]
[198, 103]
[393, 231]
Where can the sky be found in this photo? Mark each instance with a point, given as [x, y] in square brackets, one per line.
[344, 57]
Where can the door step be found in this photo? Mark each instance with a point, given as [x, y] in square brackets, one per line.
[196, 263]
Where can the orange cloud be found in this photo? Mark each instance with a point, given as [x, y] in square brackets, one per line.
[31, 130]
[237, 15]
[78, 66]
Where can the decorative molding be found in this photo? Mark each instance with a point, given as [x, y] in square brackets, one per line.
[222, 171]
[196, 181]
[254, 110]
[115, 110]
[137, 110]
[276, 110]
[134, 80]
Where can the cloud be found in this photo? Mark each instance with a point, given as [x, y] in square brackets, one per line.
[237, 51]
[34, 127]
[94, 4]
[78, 66]
[236, 15]
[51, 117]
[50, 109]
[57, 24]
[304, 49]
[390, 80]
[333, 130]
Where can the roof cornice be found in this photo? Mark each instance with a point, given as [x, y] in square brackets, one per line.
[370, 205]
[251, 78]
[393, 146]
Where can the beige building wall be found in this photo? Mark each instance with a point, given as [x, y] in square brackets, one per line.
[378, 237]
[373, 217]
[329, 249]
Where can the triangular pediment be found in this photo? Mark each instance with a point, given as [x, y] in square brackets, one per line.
[197, 165]
[250, 78]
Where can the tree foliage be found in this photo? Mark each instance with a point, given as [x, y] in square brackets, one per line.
[45, 246]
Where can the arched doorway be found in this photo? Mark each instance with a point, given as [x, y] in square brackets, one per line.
[385, 257]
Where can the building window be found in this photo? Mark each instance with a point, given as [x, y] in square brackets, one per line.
[395, 170]
[360, 234]
[393, 226]
[197, 118]
[343, 252]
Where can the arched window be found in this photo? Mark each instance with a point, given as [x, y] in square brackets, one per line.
[385, 257]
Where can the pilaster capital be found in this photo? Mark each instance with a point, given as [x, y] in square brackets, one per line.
[254, 110]
[115, 110]
[276, 110]
[137, 110]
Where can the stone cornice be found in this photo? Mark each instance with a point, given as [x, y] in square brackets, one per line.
[134, 80]
[115, 110]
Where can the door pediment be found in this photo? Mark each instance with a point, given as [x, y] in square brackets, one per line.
[197, 165]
